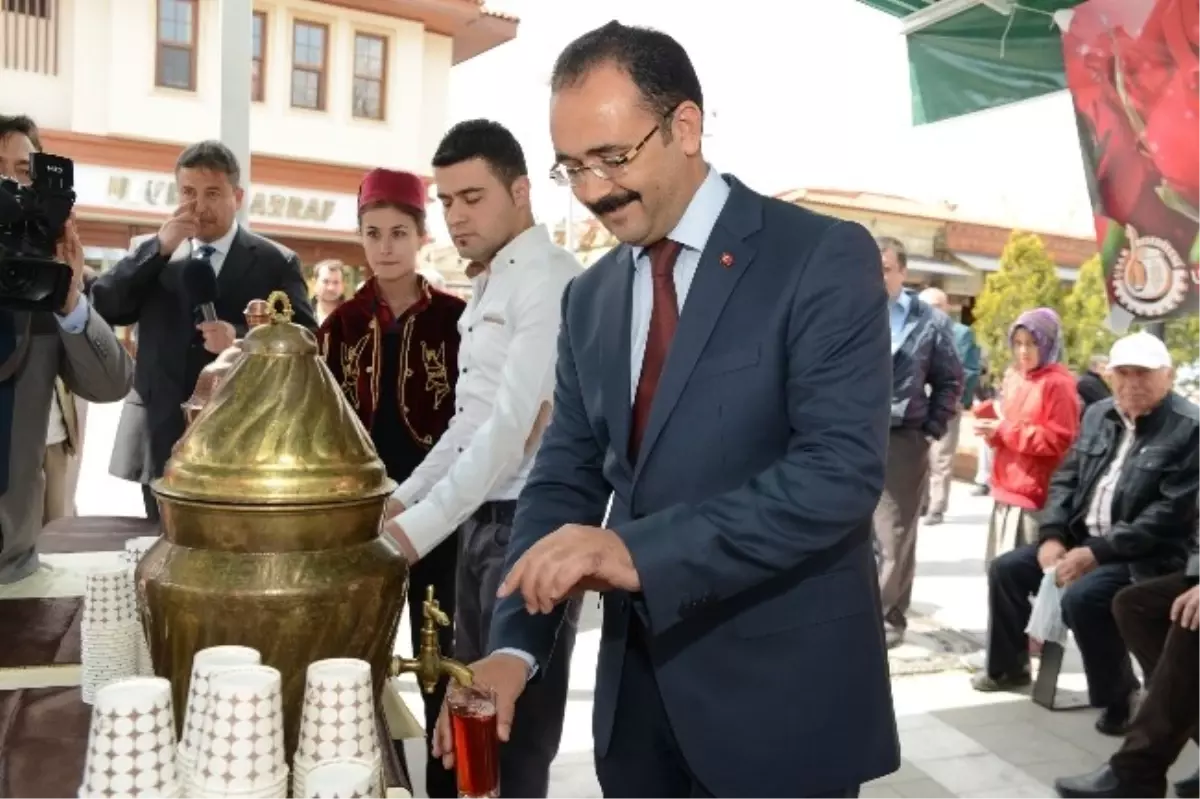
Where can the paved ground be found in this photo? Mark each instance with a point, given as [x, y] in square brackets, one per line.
[955, 742]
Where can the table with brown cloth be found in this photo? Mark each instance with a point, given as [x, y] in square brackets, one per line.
[44, 722]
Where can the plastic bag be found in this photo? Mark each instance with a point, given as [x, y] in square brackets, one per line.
[1046, 621]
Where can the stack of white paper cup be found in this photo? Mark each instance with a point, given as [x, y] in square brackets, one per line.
[131, 744]
[205, 664]
[241, 751]
[135, 548]
[343, 778]
[110, 630]
[337, 720]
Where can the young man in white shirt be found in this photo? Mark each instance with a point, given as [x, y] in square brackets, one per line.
[471, 479]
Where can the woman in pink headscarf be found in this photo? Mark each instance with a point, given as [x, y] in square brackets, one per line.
[1033, 427]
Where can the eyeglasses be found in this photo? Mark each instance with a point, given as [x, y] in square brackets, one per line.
[605, 168]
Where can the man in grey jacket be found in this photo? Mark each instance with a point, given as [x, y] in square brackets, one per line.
[36, 347]
[927, 384]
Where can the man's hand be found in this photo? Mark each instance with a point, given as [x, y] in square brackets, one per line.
[572, 558]
[218, 336]
[1185, 610]
[1050, 553]
[182, 226]
[503, 673]
[70, 251]
[397, 534]
[1076, 563]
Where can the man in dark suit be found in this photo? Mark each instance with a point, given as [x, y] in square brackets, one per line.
[174, 343]
[723, 375]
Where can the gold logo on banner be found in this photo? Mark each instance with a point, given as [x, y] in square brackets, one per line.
[1149, 279]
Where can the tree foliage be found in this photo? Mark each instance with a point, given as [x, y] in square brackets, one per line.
[1025, 280]
[1084, 311]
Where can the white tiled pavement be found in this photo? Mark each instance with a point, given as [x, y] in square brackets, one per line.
[954, 741]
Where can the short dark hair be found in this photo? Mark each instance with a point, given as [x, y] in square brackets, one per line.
[23, 125]
[483, 138]
[657, 64]
[213, 156]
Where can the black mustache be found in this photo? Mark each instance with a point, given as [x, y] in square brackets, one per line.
[613, 202]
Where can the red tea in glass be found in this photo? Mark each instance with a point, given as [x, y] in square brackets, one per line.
[476, 747]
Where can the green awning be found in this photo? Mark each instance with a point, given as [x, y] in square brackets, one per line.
[976, 57]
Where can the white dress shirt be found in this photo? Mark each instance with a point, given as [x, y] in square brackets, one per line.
[220, 246]
[506, 363]
[1099, 516]
[692, 231]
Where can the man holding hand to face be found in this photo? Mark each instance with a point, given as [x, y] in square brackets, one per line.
[175, 342]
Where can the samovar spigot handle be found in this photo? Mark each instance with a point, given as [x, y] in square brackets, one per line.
[429, 665]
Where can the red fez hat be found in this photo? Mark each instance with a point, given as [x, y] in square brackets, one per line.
[388, 186]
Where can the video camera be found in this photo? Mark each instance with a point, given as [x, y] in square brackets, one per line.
[31, 223]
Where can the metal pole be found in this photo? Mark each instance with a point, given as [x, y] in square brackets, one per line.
[236, 49]
[1157, 329]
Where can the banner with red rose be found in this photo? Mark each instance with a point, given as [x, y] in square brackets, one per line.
[1132, 69]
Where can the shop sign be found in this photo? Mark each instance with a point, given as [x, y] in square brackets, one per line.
[146, 191]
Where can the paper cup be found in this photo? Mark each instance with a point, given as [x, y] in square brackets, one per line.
[205, 664]
[344, 778]
[241, 740]
[131, 742]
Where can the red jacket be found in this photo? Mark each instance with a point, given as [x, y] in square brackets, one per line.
[1040, 413]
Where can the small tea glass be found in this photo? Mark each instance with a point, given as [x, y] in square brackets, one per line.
[476, 745]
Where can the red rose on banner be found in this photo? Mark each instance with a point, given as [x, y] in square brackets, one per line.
[1144, 67]
[1125, 177]
[1171, 134]
[1132, 69]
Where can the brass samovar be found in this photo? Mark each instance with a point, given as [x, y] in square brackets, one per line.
[271, 507]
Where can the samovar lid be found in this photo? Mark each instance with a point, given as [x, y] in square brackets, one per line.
[278, 430]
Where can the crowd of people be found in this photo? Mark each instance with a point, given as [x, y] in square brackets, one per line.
[1094, 480]
[700, 426]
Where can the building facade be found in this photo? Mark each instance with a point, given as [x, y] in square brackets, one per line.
[337, 87]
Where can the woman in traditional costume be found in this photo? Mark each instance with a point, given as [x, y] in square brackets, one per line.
[393, 348]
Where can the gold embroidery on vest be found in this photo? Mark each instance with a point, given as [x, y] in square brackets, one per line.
[350, 369]
[405, 373]
[376, 355]
[436, 380]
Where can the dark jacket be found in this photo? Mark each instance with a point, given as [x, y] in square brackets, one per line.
[1092, 389]
[926, 357]
[971, 360]
[1154, 505]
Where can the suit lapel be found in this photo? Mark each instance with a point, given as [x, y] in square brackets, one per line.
[238, 261]
[726, 257]
[616, 349]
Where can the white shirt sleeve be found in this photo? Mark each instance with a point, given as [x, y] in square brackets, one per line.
[497, 447]
[437, 461]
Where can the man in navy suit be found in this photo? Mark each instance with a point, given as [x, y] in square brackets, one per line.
[724, 376]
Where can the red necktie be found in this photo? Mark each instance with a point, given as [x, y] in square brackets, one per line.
[664, 317]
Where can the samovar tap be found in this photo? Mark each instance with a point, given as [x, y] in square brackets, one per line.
[429, 665]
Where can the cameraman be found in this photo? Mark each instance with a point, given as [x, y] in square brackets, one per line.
[35, 349]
